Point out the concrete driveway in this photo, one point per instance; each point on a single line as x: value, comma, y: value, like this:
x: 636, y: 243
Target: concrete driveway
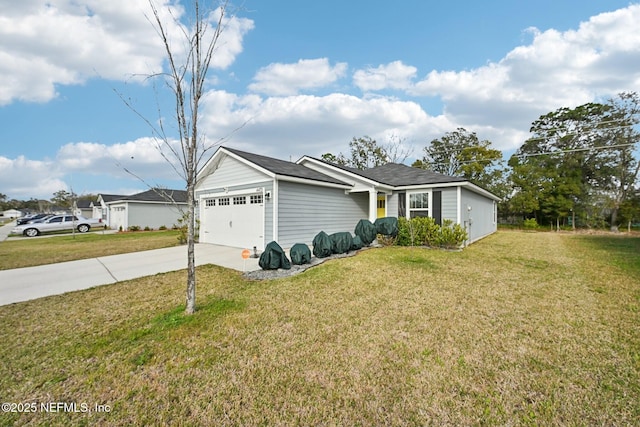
x: 6, y: 229
x: 23, y: 284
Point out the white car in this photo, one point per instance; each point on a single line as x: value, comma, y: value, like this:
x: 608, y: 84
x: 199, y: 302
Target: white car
x: 58, y: 223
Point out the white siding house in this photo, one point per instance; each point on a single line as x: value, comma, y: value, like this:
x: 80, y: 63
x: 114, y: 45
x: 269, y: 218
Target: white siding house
x: 152, y: 208
x: 11, y: 214
x: 248, y: 200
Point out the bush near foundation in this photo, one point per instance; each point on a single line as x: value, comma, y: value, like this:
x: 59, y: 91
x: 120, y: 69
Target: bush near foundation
x: 423, y: 231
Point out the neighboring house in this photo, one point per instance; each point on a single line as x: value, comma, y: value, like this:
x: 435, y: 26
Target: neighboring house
x: 100, y: 208
x: 12, y: 213
x: 84, y: 208
x: 152, y: 208
x: 248, y: 200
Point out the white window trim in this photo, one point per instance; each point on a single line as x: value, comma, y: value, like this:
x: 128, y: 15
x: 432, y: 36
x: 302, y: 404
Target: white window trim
x: 495, y: 212
x: 408, y: 202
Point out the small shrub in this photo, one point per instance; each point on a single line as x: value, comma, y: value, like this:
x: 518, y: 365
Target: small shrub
x: 387, y: 240
x: 418, y: 231
x: 134, y: 228
x: 530, y: 224
x: 183, y: 227
x: 405, y: 232
x: 452, y: 235
x: 162, y: 227
x: 147, y: 228
x: 423, y: 231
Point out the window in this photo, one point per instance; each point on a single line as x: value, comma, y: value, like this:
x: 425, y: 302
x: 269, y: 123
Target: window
x: 418, y: 204
x: 255, y: 199
x: 223, y: 201
x: 240, y: 200
x: 495, y: 212
x: 210, y: 202
x: 381, y: 203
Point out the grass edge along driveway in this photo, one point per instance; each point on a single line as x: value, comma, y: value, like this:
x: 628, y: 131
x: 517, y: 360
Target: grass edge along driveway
x: 519, y: 328
x: 33, y: 252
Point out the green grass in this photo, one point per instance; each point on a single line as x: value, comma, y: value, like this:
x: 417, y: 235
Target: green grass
x: 31, y: 252
x: 517, y: 329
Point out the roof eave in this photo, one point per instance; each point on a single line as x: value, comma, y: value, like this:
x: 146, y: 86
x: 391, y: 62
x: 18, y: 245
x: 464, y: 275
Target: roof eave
x: 315, y: 182
x: 473, y: 187
x: 477, y: 189
x: 339, y: 170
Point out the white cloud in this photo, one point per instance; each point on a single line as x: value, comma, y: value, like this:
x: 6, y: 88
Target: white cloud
x: 140, y: 161
x: 36, y: 178
x: 557, y: 69
x: 289, y: 79
x: 44, y: 43
x: 394, y: 75
x: 146, y: 158
x: 305, y: 124
x: 497, y: 100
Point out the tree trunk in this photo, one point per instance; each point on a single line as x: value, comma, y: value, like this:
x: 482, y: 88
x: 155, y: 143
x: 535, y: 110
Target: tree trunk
x: 614, y: 219
x: 191, y: 258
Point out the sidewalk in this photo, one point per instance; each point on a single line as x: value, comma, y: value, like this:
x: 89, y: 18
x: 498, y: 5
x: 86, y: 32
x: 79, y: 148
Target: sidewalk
x: 23, y: 284
x: 6, y: 229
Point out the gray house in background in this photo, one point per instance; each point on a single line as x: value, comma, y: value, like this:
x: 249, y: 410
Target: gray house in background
x: 152, y: 208
x: 100, y: 208
x: 84, y: 208
x: 248, y: 200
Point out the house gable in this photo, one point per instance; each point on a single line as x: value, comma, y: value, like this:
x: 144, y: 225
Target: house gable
x: 227, y: 170
x: 230, y: 167
x: 357, y: 181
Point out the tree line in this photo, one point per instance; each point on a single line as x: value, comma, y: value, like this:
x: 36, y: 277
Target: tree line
x: 60, y: 199
x: 579, y: 167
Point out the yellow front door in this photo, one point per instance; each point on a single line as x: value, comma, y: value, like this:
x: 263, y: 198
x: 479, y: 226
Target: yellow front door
x: 382, y: 206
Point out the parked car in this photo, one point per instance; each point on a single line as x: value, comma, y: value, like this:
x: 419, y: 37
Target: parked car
x: 57, y: 223
x: 38, y: 220
x: 32, y: 217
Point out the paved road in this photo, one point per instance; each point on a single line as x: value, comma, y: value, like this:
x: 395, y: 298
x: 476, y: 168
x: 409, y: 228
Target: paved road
x: 28, y: 283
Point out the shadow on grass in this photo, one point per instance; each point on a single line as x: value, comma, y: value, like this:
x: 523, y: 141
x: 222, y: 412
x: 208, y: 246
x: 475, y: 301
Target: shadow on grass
x: 622, y: 251
x: 134, y: 339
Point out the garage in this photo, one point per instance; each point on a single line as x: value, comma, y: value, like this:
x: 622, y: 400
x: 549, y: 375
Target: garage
x: 235, y: 220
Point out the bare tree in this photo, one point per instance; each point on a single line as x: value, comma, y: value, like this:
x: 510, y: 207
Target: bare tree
x: 397, y: 150
x: 186, y: 77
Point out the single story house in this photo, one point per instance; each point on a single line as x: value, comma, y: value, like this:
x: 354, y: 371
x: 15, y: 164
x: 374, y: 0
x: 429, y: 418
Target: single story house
x: 83, y: 208
x: 100, y: 208
x: 12, y: 213
x: 248, y: 200
x: 152, y: 208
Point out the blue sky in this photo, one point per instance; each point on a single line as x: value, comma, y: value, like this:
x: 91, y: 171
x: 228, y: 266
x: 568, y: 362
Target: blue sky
x: 305, y: 77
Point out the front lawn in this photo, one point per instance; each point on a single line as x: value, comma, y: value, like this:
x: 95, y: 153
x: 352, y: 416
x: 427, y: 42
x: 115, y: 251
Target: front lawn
x: 50, y: 250
x: 517, y: 329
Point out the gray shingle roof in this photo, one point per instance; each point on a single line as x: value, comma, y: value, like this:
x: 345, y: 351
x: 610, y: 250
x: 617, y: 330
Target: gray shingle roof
x: 158, y: 195
x: 282, y: 167
x: 111, y: 197
x: 399, y: 175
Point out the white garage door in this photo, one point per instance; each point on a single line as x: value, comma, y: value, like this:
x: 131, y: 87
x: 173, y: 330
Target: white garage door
x: 236, y: 220
x: 118, y: 217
